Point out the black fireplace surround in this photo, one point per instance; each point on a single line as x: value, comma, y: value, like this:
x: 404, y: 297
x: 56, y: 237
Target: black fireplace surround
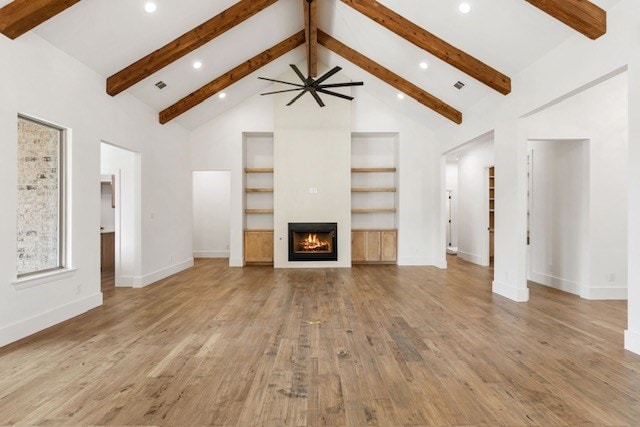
x: 313, y: 241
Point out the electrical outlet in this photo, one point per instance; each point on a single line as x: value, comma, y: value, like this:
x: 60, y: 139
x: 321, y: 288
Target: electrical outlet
x: 78, y: 289
x: 612, y: 278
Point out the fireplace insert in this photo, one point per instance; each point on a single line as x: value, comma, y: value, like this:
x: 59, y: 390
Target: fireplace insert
x: 313, y: 241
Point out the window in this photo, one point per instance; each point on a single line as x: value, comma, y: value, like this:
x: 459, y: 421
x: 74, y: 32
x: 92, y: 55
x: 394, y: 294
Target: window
x: 40, y: 213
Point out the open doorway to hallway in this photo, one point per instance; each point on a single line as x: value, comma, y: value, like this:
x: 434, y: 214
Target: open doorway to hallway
x: 120, y: 219
x: 470, y: 192
x: 211, y: 214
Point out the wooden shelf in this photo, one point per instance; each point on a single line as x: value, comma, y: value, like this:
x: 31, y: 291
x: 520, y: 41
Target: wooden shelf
x: 258, y: 229
x: 365, y: 170
x: 258, y: 170
x: 258, y: 211
x: 379, y: 210
x: 492, y: 188
x: 374, y: 229
x: 374, y: 190
x: 258, y: 190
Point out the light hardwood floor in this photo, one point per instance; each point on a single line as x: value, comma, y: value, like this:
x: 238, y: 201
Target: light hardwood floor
x: 372, y: 345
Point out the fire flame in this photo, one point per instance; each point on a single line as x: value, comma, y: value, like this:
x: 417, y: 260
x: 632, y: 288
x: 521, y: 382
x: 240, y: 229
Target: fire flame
x: 312, y: 243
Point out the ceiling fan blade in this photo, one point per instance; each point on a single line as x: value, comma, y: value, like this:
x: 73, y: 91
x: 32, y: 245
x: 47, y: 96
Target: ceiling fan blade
x: 299, y: 73
x: 282, y: 91
x: 341, y: 85
x: 297, y: 97
x: 280, y: 81
x: 328, y: 74
x: 339, y: 95
x: 317, y: 98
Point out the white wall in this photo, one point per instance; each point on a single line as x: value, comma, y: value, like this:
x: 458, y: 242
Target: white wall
x: 559, y: 218
x: 600, y: 115
x: 451, y: 177
x: 211, y: 213
x: 473, y: 200
x: 43, y: 82
x: 421, y: 238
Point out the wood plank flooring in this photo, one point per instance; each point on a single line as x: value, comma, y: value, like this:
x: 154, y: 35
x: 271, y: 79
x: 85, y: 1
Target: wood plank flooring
x: 368, y: 346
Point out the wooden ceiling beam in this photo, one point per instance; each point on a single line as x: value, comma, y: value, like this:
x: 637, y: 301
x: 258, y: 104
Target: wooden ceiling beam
x: 185, y: 44
x: 311, y: 35
x: 432, y: 44
x: 20, y: 16
x: 581, y: 15
x: 231, y: 77
x: 390, y: 78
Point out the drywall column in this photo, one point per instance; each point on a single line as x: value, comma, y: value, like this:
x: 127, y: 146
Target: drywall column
x: 510, y: 269
x: 632, y: 334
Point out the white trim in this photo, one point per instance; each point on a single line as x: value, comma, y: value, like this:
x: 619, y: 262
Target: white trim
x: 211, y: 254
x: 43, y: 278
x: 555, y: 282
x: 414, y: 261
x: 619, y: 294
x: 148, y: 279
x: 476, y: 259
x: 39, y: 322
x: 508, y: 291
x: 632, y: 341
x: 236, y: 262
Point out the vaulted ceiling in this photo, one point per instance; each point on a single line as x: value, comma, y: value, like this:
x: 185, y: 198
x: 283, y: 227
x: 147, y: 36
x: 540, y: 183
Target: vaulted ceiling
x: 387, y: 38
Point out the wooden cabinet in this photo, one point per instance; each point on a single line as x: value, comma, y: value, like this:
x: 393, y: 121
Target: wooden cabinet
x: 492, y: 209
x: 374, y: 246
x: 258, y: 247
x: 107, y: 251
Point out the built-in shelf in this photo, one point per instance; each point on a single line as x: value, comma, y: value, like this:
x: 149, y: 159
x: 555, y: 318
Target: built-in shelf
x: 378, y: 210
x: 492, y: 210
x: 364, y: 170
x: 374, y: 190
x: 258, y: 211
x: 258, y: 190
x: 258, y: 229
x: 258, y: 170
x: 492, y: 188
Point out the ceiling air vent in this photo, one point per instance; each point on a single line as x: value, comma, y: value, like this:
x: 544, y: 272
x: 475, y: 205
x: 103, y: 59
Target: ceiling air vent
x: 459, y: 85
x: 161, y: 85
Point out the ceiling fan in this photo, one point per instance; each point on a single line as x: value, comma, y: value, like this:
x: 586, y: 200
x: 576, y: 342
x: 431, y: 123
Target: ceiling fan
x: 311, y: 85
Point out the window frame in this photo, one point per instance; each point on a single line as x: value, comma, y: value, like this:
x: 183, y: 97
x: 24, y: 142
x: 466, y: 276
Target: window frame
x: 63, y: 262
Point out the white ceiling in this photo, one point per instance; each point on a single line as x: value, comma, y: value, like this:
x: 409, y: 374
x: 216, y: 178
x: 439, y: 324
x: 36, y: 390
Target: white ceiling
x: 110, y: 35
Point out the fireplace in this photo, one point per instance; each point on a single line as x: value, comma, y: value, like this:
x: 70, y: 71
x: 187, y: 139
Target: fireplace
x: 313, y: 241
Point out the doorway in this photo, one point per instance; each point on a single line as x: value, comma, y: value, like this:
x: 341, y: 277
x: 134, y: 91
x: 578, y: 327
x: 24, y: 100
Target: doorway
x: 211, y: 214
x: 120, y: 227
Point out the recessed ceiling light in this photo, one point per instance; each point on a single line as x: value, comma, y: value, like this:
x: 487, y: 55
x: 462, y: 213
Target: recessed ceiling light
x: 424, y: 65
x: 400, y: 96
x: 222, y: 95
x: 197, y: 65
x: 150, y: 7
x: 464, y: 7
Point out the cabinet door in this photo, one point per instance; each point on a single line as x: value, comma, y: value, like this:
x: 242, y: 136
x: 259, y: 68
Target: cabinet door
x: 358, y: 246
x: 389, y: 246
x: 258, y: 246
x: 372, y: 246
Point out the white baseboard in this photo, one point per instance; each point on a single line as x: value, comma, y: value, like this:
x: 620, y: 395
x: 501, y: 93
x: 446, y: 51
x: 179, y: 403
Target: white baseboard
x: 632, y: 341
x: 476, y: 259
x: 26, y: 327
x: 211, y: 254
x: 620, y: 294
x: 511, y: 292
x: 236, y: 262
x: 555, y: 282
x: 414, y: 261
x: 148, y: 279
